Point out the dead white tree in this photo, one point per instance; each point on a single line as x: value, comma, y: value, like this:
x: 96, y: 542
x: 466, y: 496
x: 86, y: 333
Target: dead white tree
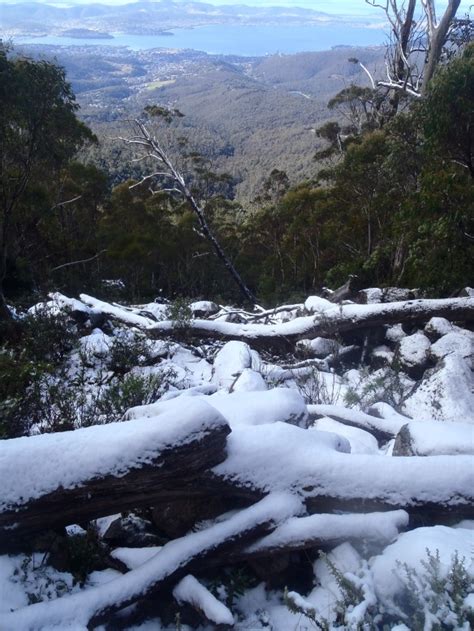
x: 417, y: 38
x: 174, y: 182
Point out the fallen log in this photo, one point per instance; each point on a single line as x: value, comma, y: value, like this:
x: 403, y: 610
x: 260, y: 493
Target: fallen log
x: 285, y: 457
x: 95, y: 606
x: 324, y: 530
x: 334, y: 321
x: 382, y: 429
x: 53, y: 480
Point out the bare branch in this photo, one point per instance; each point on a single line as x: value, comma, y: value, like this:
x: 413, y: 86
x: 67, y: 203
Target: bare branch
x: 92, y: 258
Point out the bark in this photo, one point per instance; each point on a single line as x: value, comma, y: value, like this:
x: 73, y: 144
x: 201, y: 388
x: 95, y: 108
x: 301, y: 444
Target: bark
x: 437, y: 40
x: 174, y: 473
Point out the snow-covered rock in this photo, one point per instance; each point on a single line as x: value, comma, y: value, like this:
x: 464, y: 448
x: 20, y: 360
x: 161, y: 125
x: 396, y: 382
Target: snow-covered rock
x: 413, y: 353
x: 460, y: 342
x: 97, y: 343
x: 204, y: 308
x: 249, y: 381
x: 395, y: 333
x: 316, y: 304
x: 319, y: 347
x: 437, y: 327
x: 446, y: 393
x: 430, y: 438
x: 229, y: 363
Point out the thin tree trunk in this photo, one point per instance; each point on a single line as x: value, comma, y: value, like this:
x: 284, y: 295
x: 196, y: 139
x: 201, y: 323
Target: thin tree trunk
x: 437, y: 39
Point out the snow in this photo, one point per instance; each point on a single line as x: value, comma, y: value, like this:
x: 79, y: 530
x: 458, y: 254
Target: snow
x: 437, y: 327
x: 260, y: 408
x: 80, y: 607
x: 359, y: 419
x: 361, y: 442
x: 135, y: 557
x: 315, y: 304
x: 230, y: 362
x: 31, y: 467
x: 446, y: 393
x: 204, y: 306
x: 238, y: 408
x: 410, y: 548
x: 97, y: 343
x: 280, y: 456
x: 121, y: 313
x: 303, y: 326
x: 413, y: 350
x: 249, y: 381
x: 327, y: 529
x: 429, y: 438
x: 319, y: 346
x: 190, y: 590
x: 327, y: 592
x: 395, y: 333
x: 460, y: 343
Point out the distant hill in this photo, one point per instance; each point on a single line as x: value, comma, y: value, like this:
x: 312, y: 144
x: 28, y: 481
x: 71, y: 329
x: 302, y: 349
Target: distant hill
x: 247, y: 115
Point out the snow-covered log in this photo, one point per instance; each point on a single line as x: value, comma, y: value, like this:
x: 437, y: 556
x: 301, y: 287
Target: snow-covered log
x: 189, y: 590
x: 308, y: 462
x: 382, y: 429
x: 53, y: 480
x: 299, y: 533
x: 336, y: 320
x: 93, y: 607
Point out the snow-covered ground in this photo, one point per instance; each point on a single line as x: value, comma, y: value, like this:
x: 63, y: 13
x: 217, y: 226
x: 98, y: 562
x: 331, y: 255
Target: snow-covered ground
x: 360, y: 443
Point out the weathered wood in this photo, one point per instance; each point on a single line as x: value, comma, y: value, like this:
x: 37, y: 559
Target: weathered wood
x: 341, y: 319
x: 173, y: 473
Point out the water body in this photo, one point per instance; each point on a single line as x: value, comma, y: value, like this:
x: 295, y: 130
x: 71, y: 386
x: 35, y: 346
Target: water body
x: 236, y: 40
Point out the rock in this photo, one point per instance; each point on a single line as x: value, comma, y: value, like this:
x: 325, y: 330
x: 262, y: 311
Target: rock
x: 249, y: 381
x: 434, y: 438
x: 445, y: 393
x: 381, y: 356
x: 319, y: 347
x: 374, y: 295
x: 413, y: 354
x: 459, y: 342
x: 131, y: 532
x: 395, y: 334
x: 204, y: 308
x: 437, y: 327
x: 466, y: 292
x: 231, y: 361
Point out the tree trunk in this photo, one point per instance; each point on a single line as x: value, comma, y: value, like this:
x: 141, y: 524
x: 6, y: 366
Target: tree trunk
x: 437, y: 40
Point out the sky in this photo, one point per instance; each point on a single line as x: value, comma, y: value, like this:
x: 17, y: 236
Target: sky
x: 345, y: 7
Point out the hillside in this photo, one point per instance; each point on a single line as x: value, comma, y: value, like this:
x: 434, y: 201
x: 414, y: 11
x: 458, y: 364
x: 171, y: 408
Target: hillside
x: 247, y: 115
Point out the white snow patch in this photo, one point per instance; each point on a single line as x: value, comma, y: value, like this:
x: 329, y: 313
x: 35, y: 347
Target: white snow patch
x: 361, y: 442
x: 410, y: 548
x: 190, y: 590
x: 315, y: 304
